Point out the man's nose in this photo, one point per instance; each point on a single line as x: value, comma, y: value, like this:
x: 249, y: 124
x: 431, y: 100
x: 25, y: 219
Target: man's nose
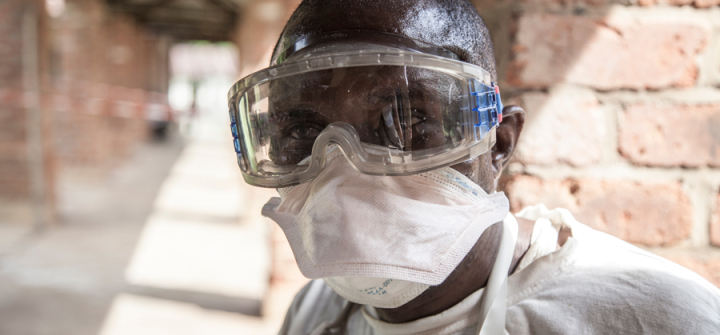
x: 392, y: 128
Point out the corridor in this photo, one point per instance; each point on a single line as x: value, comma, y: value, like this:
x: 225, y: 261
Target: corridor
x: 171, y: 243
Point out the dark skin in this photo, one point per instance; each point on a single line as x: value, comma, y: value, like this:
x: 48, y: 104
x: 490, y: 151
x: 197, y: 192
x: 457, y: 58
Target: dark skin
x: 455, y: 26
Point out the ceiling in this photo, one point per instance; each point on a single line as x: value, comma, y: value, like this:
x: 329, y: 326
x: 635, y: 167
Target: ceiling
x: 212, y: 20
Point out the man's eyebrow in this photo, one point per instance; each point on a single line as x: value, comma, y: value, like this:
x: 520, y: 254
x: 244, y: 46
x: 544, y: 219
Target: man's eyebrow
x: 296, y: 112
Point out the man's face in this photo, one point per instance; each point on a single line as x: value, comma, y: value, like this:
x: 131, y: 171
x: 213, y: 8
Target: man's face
x: 402, y: 108
x: 452, y: 25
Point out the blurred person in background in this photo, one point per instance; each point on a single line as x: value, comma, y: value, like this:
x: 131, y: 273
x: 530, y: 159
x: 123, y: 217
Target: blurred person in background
x: 381, y: 126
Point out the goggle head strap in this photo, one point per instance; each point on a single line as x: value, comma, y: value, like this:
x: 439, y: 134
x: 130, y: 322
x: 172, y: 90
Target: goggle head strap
x: 315, y: 44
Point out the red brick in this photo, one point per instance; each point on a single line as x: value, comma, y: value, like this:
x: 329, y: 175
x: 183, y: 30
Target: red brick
x: 14, y: 179
x: 709, y: 269
x: 696, y: 3
x: 671, y: 135
x: 706, y: 3
x: 12, y: 124
x: 649, y: 214
x: 609, y: 53
x: 564, y: 127
x: 11, y: 44
x: 666, y: 2
x: 13, y: 151
x: 83, y: 139
x: 559, y: 4
x: 715, y: 224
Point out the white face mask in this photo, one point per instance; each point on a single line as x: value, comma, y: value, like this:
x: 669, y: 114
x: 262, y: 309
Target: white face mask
x: 376, y: 292
x: 413, y: 229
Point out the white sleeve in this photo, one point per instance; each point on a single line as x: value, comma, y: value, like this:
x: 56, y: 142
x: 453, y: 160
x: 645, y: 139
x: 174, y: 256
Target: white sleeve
x: 293, y: 310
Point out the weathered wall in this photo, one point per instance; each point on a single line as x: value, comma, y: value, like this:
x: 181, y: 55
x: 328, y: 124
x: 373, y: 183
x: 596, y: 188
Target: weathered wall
x: 97, y: 71
x: 104, y: 69
x: 623, y: 117
x: 26, y: 162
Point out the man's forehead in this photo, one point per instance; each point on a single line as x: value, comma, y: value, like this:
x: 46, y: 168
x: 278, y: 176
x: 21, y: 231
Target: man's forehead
x: 451, y: 24
x: 319, y: 17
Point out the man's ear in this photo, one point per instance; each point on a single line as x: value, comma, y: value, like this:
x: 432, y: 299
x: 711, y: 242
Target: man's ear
x: 507, y: 135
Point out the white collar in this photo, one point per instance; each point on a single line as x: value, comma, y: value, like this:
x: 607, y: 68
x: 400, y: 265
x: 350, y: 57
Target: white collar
x: 466, y: 313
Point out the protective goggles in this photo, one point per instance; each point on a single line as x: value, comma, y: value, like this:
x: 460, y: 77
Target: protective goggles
x: 393, y: 106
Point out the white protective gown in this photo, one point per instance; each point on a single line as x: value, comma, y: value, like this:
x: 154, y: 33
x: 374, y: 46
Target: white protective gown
x: 594, y: 284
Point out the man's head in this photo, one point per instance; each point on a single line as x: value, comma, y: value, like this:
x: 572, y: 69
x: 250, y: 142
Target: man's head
x: 369, y: 76
x: 454, y: 25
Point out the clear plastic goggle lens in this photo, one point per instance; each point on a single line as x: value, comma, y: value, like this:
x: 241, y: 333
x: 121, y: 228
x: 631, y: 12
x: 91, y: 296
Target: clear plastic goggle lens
x: 387, y: 119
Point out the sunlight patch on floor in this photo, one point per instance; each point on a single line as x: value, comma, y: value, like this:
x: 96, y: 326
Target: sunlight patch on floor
x: 136, y: 315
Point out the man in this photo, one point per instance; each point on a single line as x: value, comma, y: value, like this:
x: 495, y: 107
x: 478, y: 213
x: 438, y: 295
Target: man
x: 380, y: 124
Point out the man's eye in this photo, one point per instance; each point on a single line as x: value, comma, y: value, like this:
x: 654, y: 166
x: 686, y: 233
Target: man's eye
x: 305, y: 132
x: 418, y: 118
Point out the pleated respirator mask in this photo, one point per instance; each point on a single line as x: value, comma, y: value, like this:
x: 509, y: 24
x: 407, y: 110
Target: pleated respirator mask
x: 357, y: 137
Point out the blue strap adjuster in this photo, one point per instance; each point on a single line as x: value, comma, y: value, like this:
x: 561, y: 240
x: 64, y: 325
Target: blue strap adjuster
x: 236, y: 140
x: 487, y: 105
x: 234, y: 132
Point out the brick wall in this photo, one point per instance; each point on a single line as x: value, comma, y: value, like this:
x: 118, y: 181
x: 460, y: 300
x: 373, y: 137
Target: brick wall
x: 97, y: 72
x: 26, y: 174
x: 104, y: 71
x: 623, y: 117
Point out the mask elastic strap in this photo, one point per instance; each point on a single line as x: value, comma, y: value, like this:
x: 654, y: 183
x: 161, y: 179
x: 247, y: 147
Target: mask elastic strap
x: 493, y: 306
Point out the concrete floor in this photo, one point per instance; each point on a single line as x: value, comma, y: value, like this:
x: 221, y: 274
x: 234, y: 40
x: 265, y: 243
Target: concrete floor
x: 171, y: 242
